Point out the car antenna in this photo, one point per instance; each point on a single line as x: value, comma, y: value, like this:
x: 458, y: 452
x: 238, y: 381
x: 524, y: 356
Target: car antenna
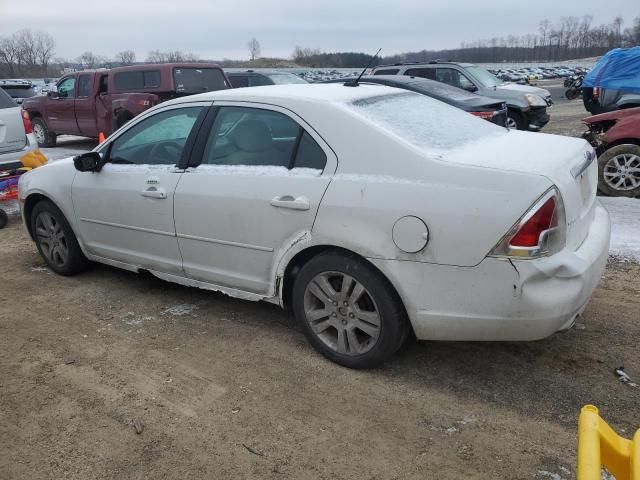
x: 354, y: 83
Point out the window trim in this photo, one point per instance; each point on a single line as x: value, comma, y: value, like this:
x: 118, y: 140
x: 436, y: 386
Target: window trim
x: 196, y: 158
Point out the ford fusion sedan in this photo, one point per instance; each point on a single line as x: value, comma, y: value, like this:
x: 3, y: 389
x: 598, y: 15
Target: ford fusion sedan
x: 371, y: 212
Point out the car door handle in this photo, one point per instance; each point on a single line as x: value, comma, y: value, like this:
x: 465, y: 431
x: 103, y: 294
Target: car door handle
x: 154, y: 192
x: 287, y: 201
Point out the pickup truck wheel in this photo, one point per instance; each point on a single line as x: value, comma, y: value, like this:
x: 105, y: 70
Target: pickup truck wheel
x: 44, y: 137
x: 619, y: 171
x: 514, y: 120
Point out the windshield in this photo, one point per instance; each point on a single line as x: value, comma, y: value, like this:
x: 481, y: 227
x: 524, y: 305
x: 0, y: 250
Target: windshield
x: 282, y: 78
x: 426, y: 123
x: 485, y: 78
x: 198, y: 80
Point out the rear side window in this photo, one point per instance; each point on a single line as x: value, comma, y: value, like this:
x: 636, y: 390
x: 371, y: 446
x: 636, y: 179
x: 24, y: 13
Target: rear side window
x: 388, y: 71
x: 257, y: 138
x: 5, y: 100
x: 429, y: 73
x: 239, y: 81
x: 198, y: 80
x: 137, y: 80
x: 84, y: 86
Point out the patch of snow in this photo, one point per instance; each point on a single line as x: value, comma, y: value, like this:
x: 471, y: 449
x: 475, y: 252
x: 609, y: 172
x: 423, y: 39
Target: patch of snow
x: 468, y: 419
x: 547, y: 474
x: 39, y: 269
x: 180, y: 310
x: 451, y: 430
x: 625, y: 226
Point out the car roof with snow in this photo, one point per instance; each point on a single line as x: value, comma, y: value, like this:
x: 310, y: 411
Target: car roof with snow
x: 281, y: 94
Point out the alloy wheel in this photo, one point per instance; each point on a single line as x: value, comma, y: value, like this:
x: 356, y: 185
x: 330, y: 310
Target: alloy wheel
x: 511, y: 123
x: 52, y: 239
x: 622, y: 172
x: 38, y: 131
x: 342, y: 313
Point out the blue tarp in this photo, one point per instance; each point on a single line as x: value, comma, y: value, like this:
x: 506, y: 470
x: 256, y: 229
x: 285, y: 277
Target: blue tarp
x: 618, y: 69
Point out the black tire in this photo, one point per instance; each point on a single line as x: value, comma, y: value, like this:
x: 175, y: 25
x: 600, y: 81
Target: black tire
x: 606, y: 164
x: 393, y: 322
x: 4, y: 219
x: 516, y: 119
x: 46, y: 138
x: 75, y: 261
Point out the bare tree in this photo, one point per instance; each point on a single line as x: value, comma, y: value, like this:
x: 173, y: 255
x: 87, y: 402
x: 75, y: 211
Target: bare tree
x: 126, y: 57
x: 156, y: 56
x: 254, y: 48
x: 90, y: 60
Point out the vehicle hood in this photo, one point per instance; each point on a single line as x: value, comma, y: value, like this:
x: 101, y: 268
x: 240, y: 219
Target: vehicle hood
x: 614, y: 115
x: 558, y: 158
x: 522, y: 89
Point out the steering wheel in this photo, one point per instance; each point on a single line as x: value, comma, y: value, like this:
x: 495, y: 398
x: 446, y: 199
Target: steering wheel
x: 165, y: 152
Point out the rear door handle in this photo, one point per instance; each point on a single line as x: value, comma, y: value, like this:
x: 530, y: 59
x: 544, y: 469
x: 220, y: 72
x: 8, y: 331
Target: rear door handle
x: 287, y: 201
x: 154, y: 192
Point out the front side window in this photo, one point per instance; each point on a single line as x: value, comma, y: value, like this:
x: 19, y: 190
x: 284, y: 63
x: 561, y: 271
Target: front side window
x: 66, y: 86
x: 257, y: 137
x: 84, y: 86
x: 453, y: 77
x: 157, y: 140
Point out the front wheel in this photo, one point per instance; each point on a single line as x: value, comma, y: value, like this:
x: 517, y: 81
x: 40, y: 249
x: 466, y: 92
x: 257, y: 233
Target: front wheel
x: 56, y: 242
x: 514, y: 120
x: 43, y: 135
x: 348, y: 310
x: 619, y: 171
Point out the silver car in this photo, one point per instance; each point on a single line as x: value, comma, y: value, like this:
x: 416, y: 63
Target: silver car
x: 16, y: 137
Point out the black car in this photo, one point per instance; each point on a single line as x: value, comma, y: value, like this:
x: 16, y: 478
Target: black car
x: 484, y: 107
x: 253, y: 78
x: 18, y: 89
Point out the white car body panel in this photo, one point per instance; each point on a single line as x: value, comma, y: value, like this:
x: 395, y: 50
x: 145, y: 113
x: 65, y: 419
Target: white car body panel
x: 468, y: 196
x: 14, y: 143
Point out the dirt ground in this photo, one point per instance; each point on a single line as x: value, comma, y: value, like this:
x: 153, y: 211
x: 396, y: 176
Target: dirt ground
x: 223, y: 388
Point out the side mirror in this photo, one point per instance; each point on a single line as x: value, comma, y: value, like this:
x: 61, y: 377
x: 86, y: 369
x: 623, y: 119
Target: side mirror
x: 88, y: 162
x: 470, y: 88
x: 52, y: 94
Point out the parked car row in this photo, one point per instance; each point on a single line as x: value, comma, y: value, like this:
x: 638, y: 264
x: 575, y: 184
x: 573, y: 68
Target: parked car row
x: 531, y: 74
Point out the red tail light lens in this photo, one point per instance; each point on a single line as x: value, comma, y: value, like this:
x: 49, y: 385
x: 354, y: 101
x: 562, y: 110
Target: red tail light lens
x: 544, y: 219
x: 483, y: 115
x: 541, y: 231
x: 26, y: 121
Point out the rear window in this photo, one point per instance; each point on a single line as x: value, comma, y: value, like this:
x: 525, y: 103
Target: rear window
x: 285, y: 78
x: 425, y: 123
x: 5, y: 100
x: 197, y: 80
x: 19, y: 92
x: 388, y: 71
x: 137, y: 80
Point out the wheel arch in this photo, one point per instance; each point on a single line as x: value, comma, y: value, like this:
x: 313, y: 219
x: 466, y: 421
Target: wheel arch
x: 30, y: 202
x: 301, y: 257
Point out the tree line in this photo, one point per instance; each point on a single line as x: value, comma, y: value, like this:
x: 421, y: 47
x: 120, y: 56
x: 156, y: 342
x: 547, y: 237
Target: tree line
x: 570, y: 38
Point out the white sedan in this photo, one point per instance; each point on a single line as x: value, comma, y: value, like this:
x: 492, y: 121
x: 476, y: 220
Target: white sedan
x: 370, y: 211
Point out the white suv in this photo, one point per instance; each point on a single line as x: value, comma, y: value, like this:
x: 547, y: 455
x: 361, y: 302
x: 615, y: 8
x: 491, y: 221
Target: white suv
x: 16, y: 133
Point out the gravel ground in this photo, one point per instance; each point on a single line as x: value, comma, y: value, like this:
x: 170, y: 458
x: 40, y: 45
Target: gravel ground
x: 222, y: 388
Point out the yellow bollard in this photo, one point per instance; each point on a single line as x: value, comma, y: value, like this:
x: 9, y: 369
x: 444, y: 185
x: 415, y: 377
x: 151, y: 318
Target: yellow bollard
x: 599, y: 445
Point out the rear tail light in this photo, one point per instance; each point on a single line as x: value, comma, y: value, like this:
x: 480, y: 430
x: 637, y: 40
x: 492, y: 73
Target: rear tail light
x: 539, y: 232
x: 26, y: 121
x: 484, y: 115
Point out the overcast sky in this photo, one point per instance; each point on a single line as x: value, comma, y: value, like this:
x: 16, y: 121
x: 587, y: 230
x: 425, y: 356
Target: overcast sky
x: 221, y: 29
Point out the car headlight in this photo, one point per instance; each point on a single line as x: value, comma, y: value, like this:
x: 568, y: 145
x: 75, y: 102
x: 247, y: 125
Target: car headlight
x: 535, y: 100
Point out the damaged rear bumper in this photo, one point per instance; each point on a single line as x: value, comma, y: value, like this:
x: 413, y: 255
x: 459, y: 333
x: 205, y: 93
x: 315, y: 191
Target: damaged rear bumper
x: 501, y: 299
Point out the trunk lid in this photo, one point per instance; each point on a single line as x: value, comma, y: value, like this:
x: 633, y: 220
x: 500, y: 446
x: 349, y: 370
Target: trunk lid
x: 569, y: 163
x: 12, y: 136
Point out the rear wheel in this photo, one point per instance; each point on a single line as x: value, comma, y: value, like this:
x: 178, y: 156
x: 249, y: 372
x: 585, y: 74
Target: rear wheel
x: 348, y: 311
x: 56, y: 241
x: 514, y: 120
x: 43, y: 135
x: 619, y: 171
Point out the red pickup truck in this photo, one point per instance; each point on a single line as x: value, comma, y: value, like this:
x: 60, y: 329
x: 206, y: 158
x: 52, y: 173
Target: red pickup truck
x: 91, y: 102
